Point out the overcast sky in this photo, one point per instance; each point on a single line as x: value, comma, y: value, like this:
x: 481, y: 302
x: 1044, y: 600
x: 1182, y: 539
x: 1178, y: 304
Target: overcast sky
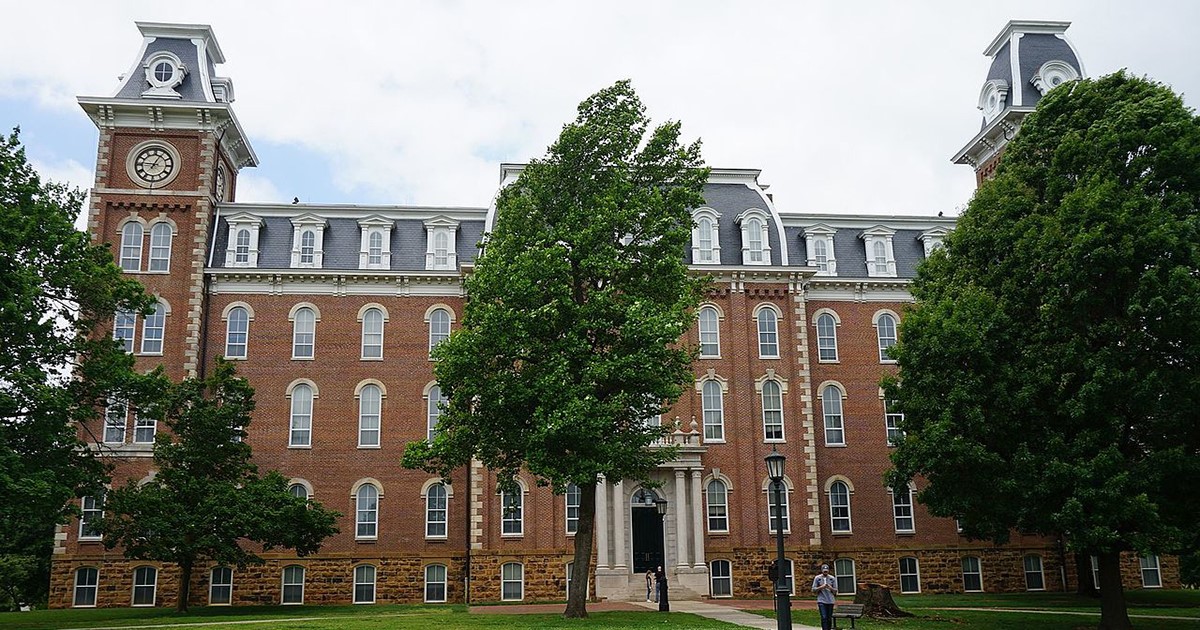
x: 847, y: 107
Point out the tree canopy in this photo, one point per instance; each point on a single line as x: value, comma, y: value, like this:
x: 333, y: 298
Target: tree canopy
x: 55, y: 288
x: 570, y: 341
x: 206, y: 500
x: 1050, y: 369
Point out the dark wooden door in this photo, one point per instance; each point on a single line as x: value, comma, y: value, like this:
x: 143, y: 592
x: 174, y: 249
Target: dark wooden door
x: 647, y: 540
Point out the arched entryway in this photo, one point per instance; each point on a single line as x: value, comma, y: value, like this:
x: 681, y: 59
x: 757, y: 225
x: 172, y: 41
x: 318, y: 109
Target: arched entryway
x: 647, y: 530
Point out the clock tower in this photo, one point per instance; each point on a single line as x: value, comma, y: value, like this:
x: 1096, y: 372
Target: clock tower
x: 169, y: 153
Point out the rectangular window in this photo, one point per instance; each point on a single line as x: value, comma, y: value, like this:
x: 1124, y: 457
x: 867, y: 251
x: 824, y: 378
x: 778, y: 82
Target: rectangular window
x: 220, y: 589
x: 293, y: 585
x: 843, y: 570
x: 892, y: 421
x: 768, y: 334
x: 144, y: 429
x: 574, y: 497
x: 92, y: 509
x: 713, y: 410
x: 115, y: 421
x: 772, y: 401
x: 304, y: 334
x: 435, y: 583
x: 722, y: 579
x: 972, y: 575
x: 910, y: 576
x: 902, y: 510
x: 435, y: 511
x: 364, y: 584
x: 123, y: 329
x: 160, y: 247
x: 1151, y: 578
x: 152, y: 330
x: 512, y: 523
x: 87, y: 580
x: 1034, y: 579
x: 145, y: 583
x: 512, y: 582
x: 775, y: 510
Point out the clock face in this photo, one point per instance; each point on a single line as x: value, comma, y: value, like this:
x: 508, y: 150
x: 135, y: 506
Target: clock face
x: 220, y: 183
x: 154, y: 165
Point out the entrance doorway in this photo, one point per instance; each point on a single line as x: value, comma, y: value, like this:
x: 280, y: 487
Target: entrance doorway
x: 647, y: 532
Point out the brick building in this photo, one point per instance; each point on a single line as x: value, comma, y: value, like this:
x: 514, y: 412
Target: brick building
x: 331, y: 310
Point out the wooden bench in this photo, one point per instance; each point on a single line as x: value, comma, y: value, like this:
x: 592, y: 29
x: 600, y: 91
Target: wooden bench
x: 847, y: 611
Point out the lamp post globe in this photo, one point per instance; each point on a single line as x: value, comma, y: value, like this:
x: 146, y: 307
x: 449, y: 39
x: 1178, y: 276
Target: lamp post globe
x: 783, y: 604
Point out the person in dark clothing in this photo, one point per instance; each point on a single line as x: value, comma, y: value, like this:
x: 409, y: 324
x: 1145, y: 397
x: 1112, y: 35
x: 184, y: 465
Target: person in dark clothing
x: 660, y: 578
x: 650, y: 585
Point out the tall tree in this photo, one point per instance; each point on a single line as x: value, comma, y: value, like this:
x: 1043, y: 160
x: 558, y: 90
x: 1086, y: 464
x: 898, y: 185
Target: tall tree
x: 1050, y: 370
x: 56, y: 287
x: 570, y: 336
x: 207, y: 502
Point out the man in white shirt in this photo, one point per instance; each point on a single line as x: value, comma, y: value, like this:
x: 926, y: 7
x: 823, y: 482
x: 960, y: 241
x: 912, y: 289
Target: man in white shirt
x: 825, y: 586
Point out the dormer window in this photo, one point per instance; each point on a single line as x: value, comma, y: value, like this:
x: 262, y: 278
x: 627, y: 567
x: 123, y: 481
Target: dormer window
x: 818, y: 243
x: 992, y: 98
x: 932, y: 239
x: 1053, y: 74
x: 308, y: 237
x: 706, y: 242
x: 242, y: 250
x: 756, y: 248
x: 440, y: 244
x: 881, y: 261
x: 375, y: 251
x: 164, y: 73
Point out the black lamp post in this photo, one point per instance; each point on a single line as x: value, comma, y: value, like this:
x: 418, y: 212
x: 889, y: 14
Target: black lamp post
x: 661, y: 506
x: 783, y: 604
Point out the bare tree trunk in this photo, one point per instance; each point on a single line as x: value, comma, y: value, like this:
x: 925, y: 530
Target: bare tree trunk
x: 185, y: 586
x: 1084, y: 583
x: 877, y: 601
x: 582, y: 568
x: 1113, y: 614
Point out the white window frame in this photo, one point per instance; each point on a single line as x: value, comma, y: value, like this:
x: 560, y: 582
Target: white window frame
x: 708, y: 323
x: 366, y: 511
x: 978, y: 573
x: 372, y: 227
x: 832, y: 397
x: 161, y: 235
x: 766, y: 316
x: 440, y: 319
x: 753, y: 223
x: 371, y: 346
x: 301, y: 226
x: 891, y: 422
x: 433, y: 410
x: 712, y: 405
x: 886, y: 342
x: 822, y: 234
x: 903, y: 509
x: 769, y: 490
x: 140, y: 426
x: 437, y: 258
x: 881, y: 259
x: 304, y: 427
x: 717, y: 506
x: 283, y: 591
x: 1040, y: 572
x: 213, y: 584
x: 512, y: 513
x: 140, y: 572
x: 772, y: 416
x: 710, y: 255
x: 437, y: 510
x: 231, y: 319
x: 506, y: 580
x: 132, y: 235
x: 299, y: 342
x: 154, y: 328
x: 915, y: 574
x: 361, y: 581
x: 125, y: 329
x: 1150, y: 564
x: 826, y: 339
x: 302, y: 487
x: 838, y: 573
x: 933, y: 238
x: 429, y: 582
x: 726, y: 578
x: 572, y: 508
x: 94, y: 587
x: 370, y: 397
x: 91, y: 507
x: 839, y: 505
x: 114, y: 411
x: 253, y: 225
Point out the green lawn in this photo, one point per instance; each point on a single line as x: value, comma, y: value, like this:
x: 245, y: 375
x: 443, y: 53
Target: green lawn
x: 344, y: 618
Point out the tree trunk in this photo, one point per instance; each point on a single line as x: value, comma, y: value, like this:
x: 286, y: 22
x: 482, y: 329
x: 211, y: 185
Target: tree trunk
x: 1113, y: 615
x: 582, y: 567
x: 1083, y: 575
x: 877, y: 601
x: 185, y: 586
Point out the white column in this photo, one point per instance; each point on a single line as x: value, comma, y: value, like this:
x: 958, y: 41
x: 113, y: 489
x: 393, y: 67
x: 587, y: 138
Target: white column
x: 681, y: 521
x: 697, y: 521
x: 620, y: 505
x: 602, y: 523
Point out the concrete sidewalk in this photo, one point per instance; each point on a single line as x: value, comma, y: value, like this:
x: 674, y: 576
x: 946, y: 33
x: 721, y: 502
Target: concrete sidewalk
x: 727, y: 614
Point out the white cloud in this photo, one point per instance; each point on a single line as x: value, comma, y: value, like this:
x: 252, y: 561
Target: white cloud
x: 252, y: 188
x: 72, y: 174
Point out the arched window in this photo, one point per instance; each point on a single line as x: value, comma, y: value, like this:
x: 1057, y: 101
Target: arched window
x: 721, y: 579
x: 839, y: 507
x: 152, y: 330
x: 87, y: 582
x: 304, y: 333
x: 910, y: 575
x: 774, y: 509
x: 441, y: 250
x: 145, y: 585
x: 512, y: 520
x: 124, y: 325
x: 220, y: 586
x: 718, y: 506
x: 768, y: 334
x: 886, y: 329
x: 293, y: 585
x: 714, y: 412
x: 300, y: 433
x: 435, y: 511
x: 821, y: 254
x: 574, y: 497
x: 704, y: 227
x: 241, y: 250
x: 370, y: 402
x: 434, y: 411
x: 754, y: 233
x: 366, y: 511
x: 298, y: 490
x: 879, y: 254
x: 843, y: 570
x: 826, y: 338
x: 972, y: 575
x: 439, y: 327
x: 372, y: 334
x: 512, y: 582
x: 160, y: 246
x: 237, y: 333
x: 435, y: 583
x: 364, y: 584
x: 375, y: 249
x: 308, y: 247
x: 710, y: 335
x: 131, y: 246
x: 1035, y: 580
x: 831, y: 405
x: 772, y: 404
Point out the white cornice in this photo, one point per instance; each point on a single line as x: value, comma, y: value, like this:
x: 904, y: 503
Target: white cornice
x: 355, y: 211
x: 185, y: 32
x: 162, y: 115
x: 333, y: 282
x: 829, y: 223
x: 1046, y: 27
x: 992, y: 137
